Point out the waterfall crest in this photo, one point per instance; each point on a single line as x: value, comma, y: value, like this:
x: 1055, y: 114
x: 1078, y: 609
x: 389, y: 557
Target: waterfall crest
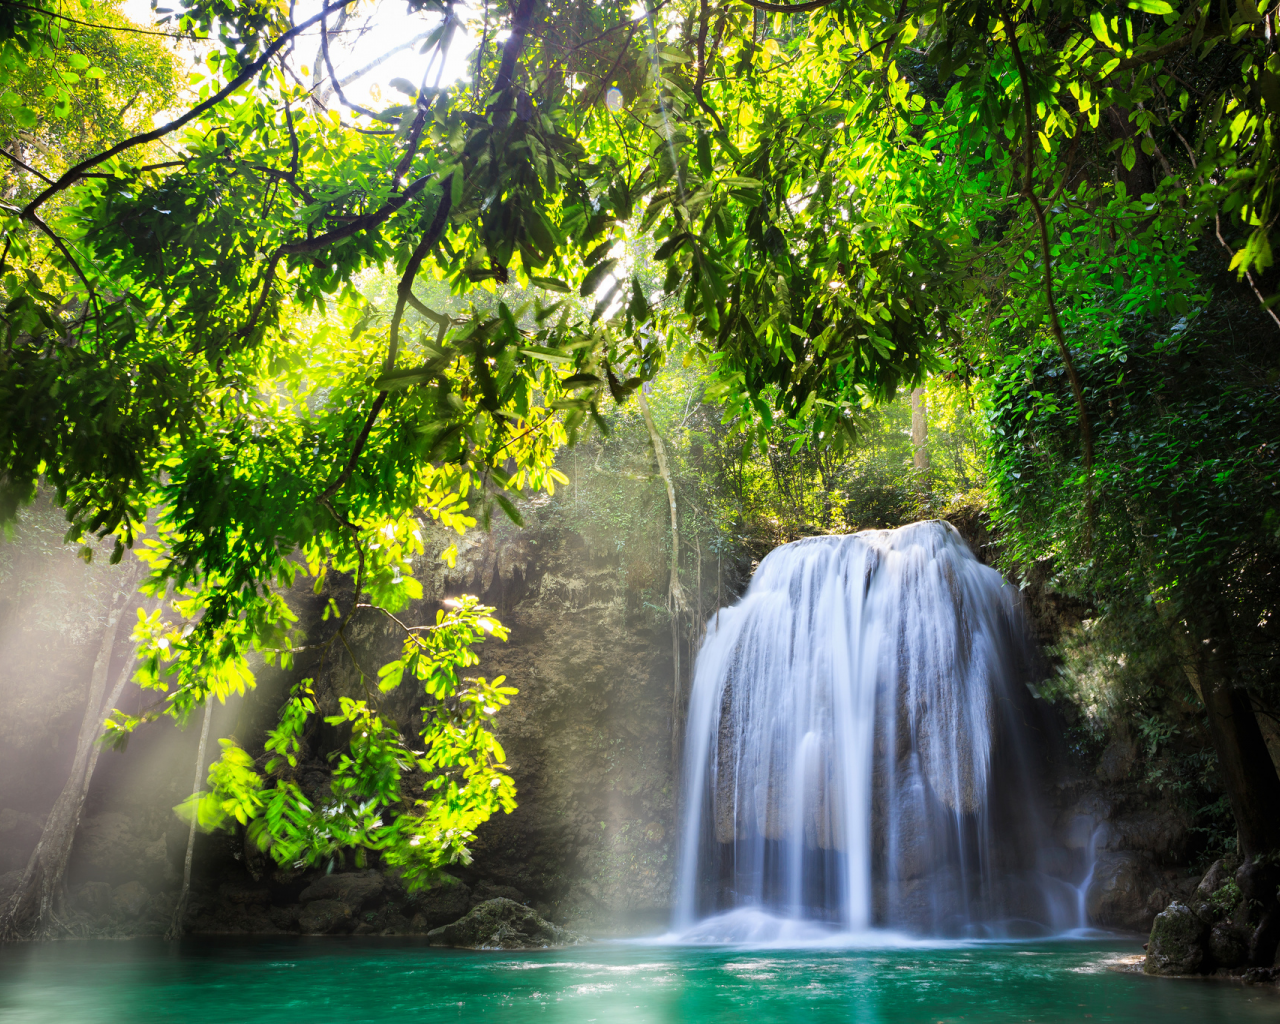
x: 853, y: 750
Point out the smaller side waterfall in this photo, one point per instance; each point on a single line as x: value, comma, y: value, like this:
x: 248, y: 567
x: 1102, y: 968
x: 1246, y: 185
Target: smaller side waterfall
x: 853, y: 751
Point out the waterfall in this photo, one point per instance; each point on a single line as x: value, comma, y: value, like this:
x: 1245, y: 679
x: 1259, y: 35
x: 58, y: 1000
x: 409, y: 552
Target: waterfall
x: 854, y: 749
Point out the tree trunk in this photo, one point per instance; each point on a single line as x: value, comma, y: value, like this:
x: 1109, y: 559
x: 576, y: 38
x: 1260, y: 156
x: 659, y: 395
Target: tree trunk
x: 29, y: 914
x: 180, y: 911
x: 919, y: 443
x: 675, y: 594
x: 1248, y: 775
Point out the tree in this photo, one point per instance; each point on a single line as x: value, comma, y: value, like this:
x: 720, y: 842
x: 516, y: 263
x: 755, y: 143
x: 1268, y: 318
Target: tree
x: 1184, y: 525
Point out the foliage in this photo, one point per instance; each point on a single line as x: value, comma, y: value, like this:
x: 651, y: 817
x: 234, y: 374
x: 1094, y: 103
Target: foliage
x: 72, y: 88
x: 369, y: 805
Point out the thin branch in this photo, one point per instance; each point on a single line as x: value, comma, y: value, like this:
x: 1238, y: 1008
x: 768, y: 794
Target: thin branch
x: 337, y: 85
x: 702, y: 58
x: 1217, y: 223
x: 25, y: 166
x: 484, y: 42
x: 405, y: 290
x: 79, y: 171
x: 379, y: 61
x: 268, y: 280
x: 347, y: 470
x: 62, y: 247
x: 1217, y: 230
x: 363, y: 223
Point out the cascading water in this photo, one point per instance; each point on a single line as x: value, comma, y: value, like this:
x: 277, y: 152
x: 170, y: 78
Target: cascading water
x: 853, y: 755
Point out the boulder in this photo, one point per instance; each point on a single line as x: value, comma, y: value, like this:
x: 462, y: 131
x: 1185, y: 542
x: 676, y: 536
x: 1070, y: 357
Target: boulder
x: 1220, y: 872
x: 1076, y: 827
x: 1228, y: 945
x: 129, y: 900
x: 355, y: 889
x: 1177, y: 943
x: 502, y: 924
x: 1158, y: 831
x: 322, y: 917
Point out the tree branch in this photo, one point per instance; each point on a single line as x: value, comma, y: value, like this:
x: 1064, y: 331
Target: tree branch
x: 79, y: 171
x: 26, y: 167
x: 347, y: 470
x: 405, y: 290
x: 1028, y: 190
x: 514, y: 45
x: 379, y: 61
x: 369, y: 220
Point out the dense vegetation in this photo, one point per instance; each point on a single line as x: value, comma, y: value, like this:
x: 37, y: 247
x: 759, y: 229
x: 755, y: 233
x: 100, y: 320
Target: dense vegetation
x: 274, y: 335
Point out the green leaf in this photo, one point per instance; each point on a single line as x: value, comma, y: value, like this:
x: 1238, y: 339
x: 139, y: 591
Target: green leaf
x: 551, y: 355
x: 596, y: 275
x: 671, y: 246
x: 509, y: 509
x: 398, y: 380
x: 599, y: 252
x: 639, y: 308
x: 1099, y: 25
x: 1151, y: 6
x: 704, y: 154
x: 552, y: 284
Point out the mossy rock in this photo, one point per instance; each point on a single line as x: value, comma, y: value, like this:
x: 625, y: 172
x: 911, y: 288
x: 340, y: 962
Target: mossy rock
x: 502, y: 924
x: 1177, y: 943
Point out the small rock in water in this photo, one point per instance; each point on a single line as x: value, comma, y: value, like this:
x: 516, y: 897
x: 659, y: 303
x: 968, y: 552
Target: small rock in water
x: 502, y: 924
x: 1177, y: 942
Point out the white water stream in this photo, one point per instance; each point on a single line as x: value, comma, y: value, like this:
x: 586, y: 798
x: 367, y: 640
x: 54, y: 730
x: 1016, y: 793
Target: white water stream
x: 847, y: 721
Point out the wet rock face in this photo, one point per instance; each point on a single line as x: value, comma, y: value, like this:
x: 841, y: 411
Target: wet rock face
x: 1177, y: 943
x: 332, y: 903
x: 1136, y: 851
x: 353, y: 889
x: 440, y: 904
x: 502, y: 924
x: 588, y: 737
x: 1117, y: 896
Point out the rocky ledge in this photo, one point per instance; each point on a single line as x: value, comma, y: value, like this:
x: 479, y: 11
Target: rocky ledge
x: 502, y: 924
